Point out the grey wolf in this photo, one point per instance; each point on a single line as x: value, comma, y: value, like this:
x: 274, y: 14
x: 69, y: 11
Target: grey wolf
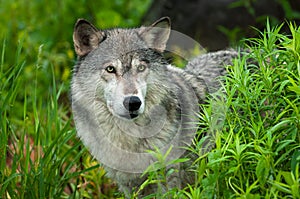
x: 127, y: 99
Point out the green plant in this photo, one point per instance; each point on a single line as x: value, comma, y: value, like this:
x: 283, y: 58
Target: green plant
x: 256, y: 151
x: 40, y: 155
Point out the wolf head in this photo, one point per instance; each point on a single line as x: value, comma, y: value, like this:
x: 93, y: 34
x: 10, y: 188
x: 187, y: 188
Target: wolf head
x: 118, y: 62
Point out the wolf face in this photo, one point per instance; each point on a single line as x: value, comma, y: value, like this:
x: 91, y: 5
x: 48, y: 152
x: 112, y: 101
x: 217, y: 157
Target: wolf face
x: 125, y: 87
x: 125, y: 91
x: 120, y: 75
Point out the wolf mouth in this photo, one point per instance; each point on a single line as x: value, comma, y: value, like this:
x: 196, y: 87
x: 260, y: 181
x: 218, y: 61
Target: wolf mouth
x: 130, y: 115
x: 133, y: 115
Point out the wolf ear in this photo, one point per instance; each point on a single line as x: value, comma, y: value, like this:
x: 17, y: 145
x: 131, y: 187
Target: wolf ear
x: 156, y: 36
x: 86, y: 37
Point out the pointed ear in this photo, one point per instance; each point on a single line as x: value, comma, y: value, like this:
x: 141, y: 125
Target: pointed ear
x: 156, y: 36
x: 86, y: 37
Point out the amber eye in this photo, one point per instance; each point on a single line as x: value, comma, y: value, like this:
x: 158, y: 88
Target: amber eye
x: 141, y: 68
x: 110, y: 69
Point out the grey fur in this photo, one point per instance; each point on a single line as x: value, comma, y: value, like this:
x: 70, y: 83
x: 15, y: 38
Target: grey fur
x: 210, y: 67
x: 118, y: 63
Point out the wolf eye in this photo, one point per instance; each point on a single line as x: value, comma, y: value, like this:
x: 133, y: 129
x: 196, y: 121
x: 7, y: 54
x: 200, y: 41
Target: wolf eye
x: 141, y: 68
x: 110, y: 69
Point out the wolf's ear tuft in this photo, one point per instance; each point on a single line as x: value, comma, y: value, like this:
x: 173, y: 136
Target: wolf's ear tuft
x: 86, y: 37
x: 156, y: 36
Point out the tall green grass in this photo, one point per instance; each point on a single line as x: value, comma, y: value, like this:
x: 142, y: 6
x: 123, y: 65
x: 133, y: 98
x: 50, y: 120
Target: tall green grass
x: 40, y: 154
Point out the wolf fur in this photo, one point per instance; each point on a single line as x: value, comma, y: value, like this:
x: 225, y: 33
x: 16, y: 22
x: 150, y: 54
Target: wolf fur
x: 123, y: 89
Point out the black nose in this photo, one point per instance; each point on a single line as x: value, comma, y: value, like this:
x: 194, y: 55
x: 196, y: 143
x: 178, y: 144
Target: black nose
x: 132, y: 103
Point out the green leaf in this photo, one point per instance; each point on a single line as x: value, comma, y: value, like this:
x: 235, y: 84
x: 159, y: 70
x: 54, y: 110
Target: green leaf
x: 295, y: 88
x: 295, y: 161
x: 262, y: 170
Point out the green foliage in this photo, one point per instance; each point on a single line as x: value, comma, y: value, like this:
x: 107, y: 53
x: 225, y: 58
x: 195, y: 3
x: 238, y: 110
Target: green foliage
x: 256, y: 151
x: 159, y: 173
x: 40, y: 155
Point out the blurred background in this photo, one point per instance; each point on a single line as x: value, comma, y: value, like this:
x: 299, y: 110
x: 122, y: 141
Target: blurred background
x: 47, y: 26
x: 44, y: 28
x: 216, y: 24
